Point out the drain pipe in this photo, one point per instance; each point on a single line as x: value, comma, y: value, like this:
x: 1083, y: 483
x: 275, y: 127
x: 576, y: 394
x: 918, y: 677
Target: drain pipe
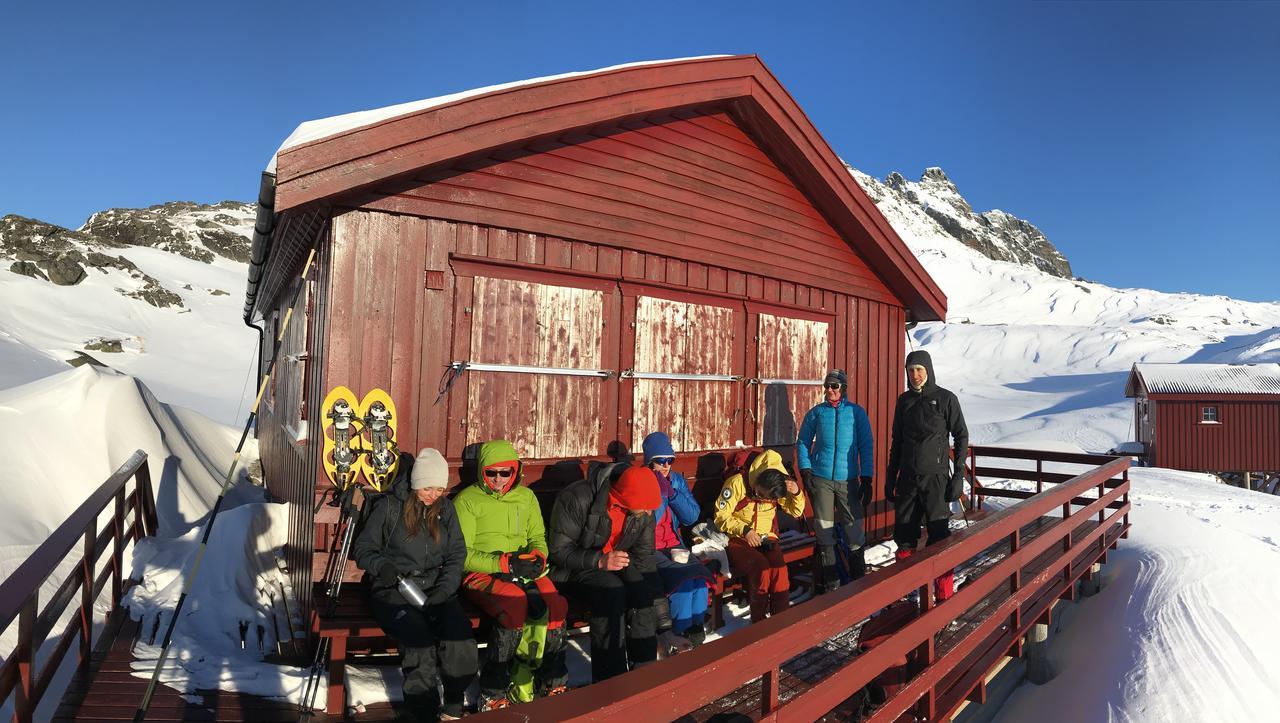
x: 260, y: 249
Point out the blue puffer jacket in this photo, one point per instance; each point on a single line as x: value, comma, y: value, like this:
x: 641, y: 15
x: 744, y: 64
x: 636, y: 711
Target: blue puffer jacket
x: 836, y: 441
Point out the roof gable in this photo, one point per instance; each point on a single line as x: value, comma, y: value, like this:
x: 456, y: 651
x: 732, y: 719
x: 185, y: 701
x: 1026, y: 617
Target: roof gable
x: 515, y: 115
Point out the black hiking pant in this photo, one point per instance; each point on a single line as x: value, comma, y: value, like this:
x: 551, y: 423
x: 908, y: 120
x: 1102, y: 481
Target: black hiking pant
x: 921, y: 499
x: 441, y: 632
x: 624, y: 622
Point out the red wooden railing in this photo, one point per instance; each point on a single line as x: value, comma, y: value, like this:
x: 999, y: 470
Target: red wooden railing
x: 20, y: 676
x: 686, y: 683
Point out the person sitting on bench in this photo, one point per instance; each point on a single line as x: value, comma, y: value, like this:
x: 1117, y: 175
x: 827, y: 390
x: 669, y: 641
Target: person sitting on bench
x: 602, y: 553
x: 412, y: 533
x: 507, y: 578
x: 684, y: 578
x: 747, y: 512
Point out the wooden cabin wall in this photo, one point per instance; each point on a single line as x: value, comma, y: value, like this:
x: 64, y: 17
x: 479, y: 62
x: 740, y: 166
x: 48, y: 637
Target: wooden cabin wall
x: 1244, y: 440
x: 400, y: 329
x: 296, y: 389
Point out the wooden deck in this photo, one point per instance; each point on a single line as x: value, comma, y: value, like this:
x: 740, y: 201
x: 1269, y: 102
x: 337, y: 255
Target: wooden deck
x: 110, y: 691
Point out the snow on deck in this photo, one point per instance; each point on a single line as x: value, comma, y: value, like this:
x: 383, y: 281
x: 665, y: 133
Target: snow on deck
x: 314, y: 130
x: 1210, y: 378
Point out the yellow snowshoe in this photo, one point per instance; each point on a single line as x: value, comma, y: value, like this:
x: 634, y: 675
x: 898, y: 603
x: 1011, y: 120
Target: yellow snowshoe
x: 342, y: 420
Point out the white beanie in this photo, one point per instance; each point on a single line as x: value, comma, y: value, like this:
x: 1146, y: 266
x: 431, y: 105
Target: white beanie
x: 429, y: 470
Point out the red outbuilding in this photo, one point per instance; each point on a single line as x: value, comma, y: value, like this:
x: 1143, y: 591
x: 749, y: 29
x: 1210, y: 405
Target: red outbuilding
x: 573, y: 261
x: 1208, y: 417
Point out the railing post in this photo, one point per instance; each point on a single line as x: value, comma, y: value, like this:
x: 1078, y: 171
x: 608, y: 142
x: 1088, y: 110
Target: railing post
x: 117, y: 551
x: 24, y: 706
x: 976, y: 501
x: 146, y: 496
x: 1066, y: 543
x: 769, y: 691
x: 1126, y: 500
x: 1039, y: 476
x: 86, y: 595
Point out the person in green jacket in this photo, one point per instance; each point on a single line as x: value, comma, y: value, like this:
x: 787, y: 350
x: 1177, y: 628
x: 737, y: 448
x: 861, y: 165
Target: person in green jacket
x: 506, y: 577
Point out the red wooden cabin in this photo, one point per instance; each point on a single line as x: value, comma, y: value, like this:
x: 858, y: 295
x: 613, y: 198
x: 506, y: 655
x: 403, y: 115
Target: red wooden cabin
x: 661, y: 246
x: 1208, y: 417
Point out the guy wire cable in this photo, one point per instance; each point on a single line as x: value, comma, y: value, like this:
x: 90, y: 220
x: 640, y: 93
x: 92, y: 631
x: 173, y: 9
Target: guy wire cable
x: 141, y: 713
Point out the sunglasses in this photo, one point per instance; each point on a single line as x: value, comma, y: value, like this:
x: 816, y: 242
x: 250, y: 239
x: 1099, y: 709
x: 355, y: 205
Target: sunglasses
x: 495, y: 473
x: 664, y: 461
x: 832, y: 386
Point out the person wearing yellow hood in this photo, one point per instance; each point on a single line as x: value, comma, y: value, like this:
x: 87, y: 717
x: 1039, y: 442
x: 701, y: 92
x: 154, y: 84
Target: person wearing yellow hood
x: 747, y: 511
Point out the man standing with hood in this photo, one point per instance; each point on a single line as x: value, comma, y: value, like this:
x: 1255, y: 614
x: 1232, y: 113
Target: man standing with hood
x: 835, y: 448
x: 920, y: 482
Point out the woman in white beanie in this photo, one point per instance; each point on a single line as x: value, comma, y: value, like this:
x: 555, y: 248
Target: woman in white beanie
x: 412, y: 533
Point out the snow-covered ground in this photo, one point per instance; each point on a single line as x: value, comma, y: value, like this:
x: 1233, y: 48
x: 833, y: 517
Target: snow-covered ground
x: 1183, y: 630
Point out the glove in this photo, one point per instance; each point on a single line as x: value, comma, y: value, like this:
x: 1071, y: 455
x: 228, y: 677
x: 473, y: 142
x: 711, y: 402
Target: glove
x: 954, y: 488
x: 536, y: 607
x: 528, y: 566
x: 807, y: 476
x: 388, y: 575
x: 889, y: 485
x: 865, y: 491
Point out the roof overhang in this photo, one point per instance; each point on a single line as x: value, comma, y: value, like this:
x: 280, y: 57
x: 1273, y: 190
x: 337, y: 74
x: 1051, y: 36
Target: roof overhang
x: 468, y: 124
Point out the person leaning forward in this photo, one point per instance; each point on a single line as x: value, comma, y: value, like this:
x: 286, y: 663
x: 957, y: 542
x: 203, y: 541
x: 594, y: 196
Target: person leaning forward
x: 602, y: 554
x: 920, y: 481
x: 835, y: 448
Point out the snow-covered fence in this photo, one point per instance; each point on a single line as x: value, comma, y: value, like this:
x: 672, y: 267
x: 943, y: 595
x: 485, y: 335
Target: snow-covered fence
x: 32, y: 664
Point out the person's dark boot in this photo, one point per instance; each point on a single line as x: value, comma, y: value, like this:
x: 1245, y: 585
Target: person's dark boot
x: 759, y: 608
x: 696, y: 634
x: 779, y: 601
x: 553, y: 674
x: 830, y: 575
x: 857, y: 563
x: 495, y: 675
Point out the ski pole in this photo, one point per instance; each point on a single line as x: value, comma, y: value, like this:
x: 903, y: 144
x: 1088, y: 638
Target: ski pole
x: 141, y: 713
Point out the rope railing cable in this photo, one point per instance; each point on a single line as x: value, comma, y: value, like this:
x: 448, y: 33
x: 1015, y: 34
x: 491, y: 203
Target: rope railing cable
x: 141, y: 713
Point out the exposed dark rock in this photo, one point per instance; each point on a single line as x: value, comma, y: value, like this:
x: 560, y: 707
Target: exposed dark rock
x: 28, y: 268
x: 81, y: 359
x: 156, y: 295
x: 218, y: 292
x: 65, y: 269
x: 109, y: 346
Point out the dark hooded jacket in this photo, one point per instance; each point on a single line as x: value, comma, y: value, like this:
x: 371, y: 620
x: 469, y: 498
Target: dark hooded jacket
x: 435, y: 566
x: 580, y: 527
x: 922, y: 421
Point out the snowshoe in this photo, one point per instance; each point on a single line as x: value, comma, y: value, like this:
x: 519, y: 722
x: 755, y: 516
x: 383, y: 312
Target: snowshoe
x: 341, y: 437
x: 381, y: 455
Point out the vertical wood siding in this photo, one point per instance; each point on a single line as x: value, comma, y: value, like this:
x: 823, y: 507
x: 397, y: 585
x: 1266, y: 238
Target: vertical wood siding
x: 788, y: 348
x: 1247, y: 438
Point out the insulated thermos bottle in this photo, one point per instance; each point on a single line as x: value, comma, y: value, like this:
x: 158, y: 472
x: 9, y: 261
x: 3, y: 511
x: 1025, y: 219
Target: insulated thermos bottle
x: 411, y: 592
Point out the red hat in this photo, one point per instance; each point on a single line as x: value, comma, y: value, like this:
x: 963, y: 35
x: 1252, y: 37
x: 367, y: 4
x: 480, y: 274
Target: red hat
x: 636, y: 489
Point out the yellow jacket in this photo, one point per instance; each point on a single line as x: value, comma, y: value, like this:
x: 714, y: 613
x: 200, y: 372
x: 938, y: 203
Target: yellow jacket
x: 736, y: 512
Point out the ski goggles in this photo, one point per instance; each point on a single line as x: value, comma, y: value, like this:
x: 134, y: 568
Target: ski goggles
x: 663, y: 461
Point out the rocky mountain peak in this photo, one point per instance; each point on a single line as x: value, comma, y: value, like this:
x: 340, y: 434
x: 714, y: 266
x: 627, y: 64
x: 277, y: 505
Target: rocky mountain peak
x: 193, y: 230
x: 934, y: 205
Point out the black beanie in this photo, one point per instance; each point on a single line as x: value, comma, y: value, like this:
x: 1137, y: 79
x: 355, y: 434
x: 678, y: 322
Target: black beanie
x: 837, y: 376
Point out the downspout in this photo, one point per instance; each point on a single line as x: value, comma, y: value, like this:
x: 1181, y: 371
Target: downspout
x: 260, y: 250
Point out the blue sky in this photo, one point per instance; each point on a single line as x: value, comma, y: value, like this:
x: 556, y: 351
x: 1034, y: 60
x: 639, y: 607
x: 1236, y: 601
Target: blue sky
x: 1142, y: 138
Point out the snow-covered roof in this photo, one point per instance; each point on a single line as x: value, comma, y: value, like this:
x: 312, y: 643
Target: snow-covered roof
x: 1209, y: 378
x: 314, y: 130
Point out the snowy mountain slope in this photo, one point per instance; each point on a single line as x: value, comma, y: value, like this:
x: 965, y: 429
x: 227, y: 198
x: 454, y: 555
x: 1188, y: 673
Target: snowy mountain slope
x: 150, y: 310
x: 1040, y: 358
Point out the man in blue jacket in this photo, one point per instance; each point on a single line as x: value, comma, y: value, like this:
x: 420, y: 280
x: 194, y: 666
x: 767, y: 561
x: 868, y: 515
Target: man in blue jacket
x: 835, y: 449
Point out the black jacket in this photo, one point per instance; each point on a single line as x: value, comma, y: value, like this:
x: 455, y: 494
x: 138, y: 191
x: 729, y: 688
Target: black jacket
x: 580, y: 526
x: 922, y: 421
x: 435, y: 566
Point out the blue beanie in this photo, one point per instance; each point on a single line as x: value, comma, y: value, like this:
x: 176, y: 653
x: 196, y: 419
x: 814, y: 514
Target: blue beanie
x: 657, y: 445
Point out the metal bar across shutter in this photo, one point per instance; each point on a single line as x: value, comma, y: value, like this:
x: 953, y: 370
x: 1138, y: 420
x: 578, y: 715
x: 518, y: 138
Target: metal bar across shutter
x: 460, y: 367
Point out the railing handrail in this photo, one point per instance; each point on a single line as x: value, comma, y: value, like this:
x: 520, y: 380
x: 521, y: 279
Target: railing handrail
x: 21, y: 675
x: 37, y: 568
x: 1043, y: 455
x: 688, y: 681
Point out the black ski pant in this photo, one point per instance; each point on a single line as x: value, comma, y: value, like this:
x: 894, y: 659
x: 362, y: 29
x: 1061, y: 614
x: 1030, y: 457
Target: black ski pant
x: 831, y: 505
x: 921, y: 499
x: 624, y: 622
x: 440, y: 632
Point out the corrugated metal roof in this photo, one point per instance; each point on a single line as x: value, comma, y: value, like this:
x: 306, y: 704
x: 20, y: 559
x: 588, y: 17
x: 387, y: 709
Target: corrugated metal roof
x: 1210, y: 378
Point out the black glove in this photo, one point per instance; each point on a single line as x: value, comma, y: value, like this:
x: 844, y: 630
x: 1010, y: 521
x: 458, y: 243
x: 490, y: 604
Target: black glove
x: 865, y: 491
x: 528, y: 567
x: 807, y: 476
x: 536, y: 607
x: 388, y: 575
x: 954, y: 488
x: 889, y: 485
